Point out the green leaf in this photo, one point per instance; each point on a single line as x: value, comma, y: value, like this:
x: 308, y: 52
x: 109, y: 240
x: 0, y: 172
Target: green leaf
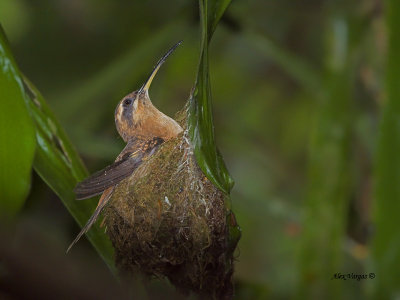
x: 200, y: 123
x: 57, y: 162
x: 386, y: 243
x: 215, y: 10
x: 17, y: 136
x: 59, y: 165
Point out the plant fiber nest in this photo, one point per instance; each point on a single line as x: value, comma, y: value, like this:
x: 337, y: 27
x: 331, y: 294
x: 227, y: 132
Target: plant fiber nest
x: 168, y: 220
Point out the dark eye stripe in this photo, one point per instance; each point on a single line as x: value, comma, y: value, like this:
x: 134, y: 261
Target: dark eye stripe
x: 127, y: 109
x: 128, y: 102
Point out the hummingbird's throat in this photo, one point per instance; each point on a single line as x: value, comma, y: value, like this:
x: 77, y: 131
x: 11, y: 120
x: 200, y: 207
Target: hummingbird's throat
x: 144, y: 121
x: 150, y: 122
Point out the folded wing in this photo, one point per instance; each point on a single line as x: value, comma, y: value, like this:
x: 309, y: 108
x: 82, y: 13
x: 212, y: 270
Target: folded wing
x: 122, y: 168
x: 104, y: 181
x: 109, y: 176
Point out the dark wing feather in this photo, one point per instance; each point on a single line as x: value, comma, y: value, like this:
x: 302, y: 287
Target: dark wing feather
x: 105, y: 180
x: 109, y: 176
x: 122, y: 168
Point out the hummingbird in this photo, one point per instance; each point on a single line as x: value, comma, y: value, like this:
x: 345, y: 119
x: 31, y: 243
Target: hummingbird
x: 143, y: 128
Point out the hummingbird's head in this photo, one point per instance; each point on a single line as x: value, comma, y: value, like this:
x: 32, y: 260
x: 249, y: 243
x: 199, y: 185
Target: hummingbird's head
x: 136, y: 116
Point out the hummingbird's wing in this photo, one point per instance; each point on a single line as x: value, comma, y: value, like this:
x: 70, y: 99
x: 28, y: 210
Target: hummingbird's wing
x: 122, y: 168
x: 98, y: 182
x: 104, y: 181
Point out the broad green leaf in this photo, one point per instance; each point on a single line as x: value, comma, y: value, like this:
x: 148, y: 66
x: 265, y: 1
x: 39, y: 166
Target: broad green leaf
x: 17, y: 136
x: 386, y: 243
x: 201, y: 128
x: 59, y: 165
x: 57, y: 162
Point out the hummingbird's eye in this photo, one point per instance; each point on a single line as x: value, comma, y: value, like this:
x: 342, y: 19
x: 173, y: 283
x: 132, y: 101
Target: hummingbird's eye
x: 127, y: 102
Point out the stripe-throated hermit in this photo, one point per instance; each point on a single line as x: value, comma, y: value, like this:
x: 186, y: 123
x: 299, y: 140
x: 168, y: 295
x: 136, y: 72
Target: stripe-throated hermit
x: 144, y: 128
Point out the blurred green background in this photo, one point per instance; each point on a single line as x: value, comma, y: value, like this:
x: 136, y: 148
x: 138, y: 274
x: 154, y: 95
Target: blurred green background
x: 306, y: 116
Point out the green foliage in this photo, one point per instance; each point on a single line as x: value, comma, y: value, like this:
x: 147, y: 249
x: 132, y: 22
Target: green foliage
x: 17, y: 136
x: 330, y: 166
x: 211, y: 12
x: 59, y: 165
x: 386, y: 243
x: 55, y: 160
x: 201, y: 128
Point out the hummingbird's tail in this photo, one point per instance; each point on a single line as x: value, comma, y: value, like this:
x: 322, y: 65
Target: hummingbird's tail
x: 105, y: 197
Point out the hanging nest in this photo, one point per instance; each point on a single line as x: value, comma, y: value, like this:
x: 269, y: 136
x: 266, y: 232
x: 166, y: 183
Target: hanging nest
x: 168, y: 219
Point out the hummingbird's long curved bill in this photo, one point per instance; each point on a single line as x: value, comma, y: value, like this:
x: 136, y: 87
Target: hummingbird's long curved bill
x: 146, y: 85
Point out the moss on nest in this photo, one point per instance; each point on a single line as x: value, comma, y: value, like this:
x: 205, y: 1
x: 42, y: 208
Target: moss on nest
x: 168, y: 219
